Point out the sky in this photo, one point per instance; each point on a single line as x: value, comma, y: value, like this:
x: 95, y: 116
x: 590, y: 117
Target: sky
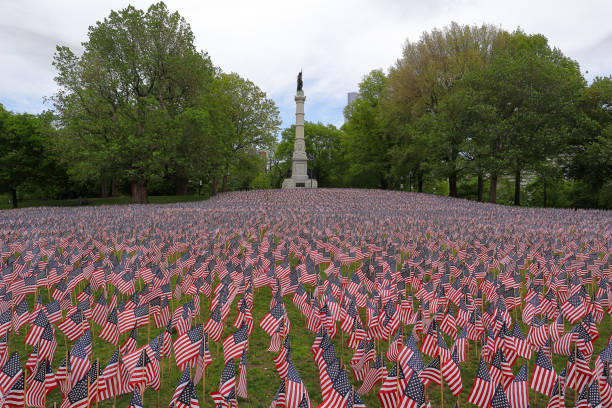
x: 335, y: 43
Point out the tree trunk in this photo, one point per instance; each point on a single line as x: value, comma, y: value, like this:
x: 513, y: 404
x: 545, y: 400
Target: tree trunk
x: 214, y: 186
x: 224, y: 183
x: 420, y: 181
x: 104, y: 187
x: 225, y: 174
x: 114, y: 188
x: 544, y: 191
x: 181, y: 186
x: 139, y: 192
x: 452, y: 184
x: 14, y: 197
x: 480, y: 186
x: 517, y: 187
x: 493, y: 190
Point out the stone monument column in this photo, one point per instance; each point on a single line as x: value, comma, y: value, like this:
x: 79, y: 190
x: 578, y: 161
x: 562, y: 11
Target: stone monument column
x: 299, y: 166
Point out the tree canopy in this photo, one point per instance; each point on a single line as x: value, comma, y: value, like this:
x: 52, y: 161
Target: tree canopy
x: 141, y: 102
x: 141, y: 110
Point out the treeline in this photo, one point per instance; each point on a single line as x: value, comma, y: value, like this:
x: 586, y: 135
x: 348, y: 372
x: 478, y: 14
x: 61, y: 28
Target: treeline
x: 474, y: 112
x: 140, y: 111
x: 466, y: 111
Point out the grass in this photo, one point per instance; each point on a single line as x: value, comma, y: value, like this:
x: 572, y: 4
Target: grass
x: 262, y: 379
x: 5, y: 203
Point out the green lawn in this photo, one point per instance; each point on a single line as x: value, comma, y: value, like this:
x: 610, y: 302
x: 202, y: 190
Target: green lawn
x: 6, y: 204
x: 262, y: 379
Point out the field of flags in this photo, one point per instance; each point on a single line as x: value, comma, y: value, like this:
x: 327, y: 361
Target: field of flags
x: 314, y: 298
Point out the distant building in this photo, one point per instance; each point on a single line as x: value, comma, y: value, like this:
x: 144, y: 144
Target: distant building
x: 351, y: 96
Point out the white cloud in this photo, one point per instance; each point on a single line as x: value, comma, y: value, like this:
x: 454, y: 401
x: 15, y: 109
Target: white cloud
x: 335, y: 42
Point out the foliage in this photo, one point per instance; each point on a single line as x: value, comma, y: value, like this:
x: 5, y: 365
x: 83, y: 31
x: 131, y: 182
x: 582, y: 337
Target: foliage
x: 120, y: 102
x: 253, y: 123
x: 324, y: 149
x: 365, y: 140
x: 25, y: 160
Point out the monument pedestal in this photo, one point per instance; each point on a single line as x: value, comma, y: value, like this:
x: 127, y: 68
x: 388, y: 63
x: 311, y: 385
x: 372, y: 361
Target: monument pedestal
x: 307, y: 183
x: 299, y: 163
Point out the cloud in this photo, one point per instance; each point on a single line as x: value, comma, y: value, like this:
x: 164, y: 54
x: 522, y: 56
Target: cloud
x: 335, y: 42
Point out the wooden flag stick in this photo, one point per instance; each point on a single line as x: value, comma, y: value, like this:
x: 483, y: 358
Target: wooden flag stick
x: 204, y: 363
x: 97, y: 379
x: 118, y: 376
x: 442, y: 393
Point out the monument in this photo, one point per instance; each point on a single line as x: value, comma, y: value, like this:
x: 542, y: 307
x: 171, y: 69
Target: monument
x: 299, y: 163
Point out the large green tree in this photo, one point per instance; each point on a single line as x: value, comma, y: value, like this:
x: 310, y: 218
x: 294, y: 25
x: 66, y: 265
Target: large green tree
x: 24, y: 158
x: 120, y: 101
x: 366, y: 138
x: 253, y: 119
x: 589, y: 160
x: 421, y: 90
x: 527, y: 94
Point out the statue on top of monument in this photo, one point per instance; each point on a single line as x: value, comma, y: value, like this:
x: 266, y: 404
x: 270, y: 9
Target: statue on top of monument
x: 299, y: 81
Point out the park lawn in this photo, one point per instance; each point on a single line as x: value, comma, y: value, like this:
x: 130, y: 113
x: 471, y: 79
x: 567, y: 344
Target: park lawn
x: 75, y: 202
x: 262, y: 379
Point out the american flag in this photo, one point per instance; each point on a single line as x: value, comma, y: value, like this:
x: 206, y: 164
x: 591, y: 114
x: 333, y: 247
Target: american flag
x: 113, y: 377
x: 214, y: 325
x: 579, y: 373
x: 388, y: 394
x: 227, y: 385
x: 483, y: 388
x: 130, y: 343
x: 20, y: 316
x: 573, y: 309
x: 518, y: 395
x: 413, y: 394
x: 47, y: 344
x: 500, y: 399
x: 187, y: 398
x: 187, y: 346
x: 376, y: 373
x: 77, y: 396
x: 341, y: 387
x: 42, y: 382
x: 431, y: 372
x: 241, y: 388
x: 79, y: 363
x: 136, y: 400
x: 37, y: 328
x: 557, y: 398
x: 544, y: 376
x: 10, y: 372
x: 182, y: 384
x: 593, y: 396
x: 15, y: 397
x: 138, y: 375
x: 272, y: 320
x: 236, y: 343
x: 128, y: 318
x: 450, y: 368
x: 74, y: 325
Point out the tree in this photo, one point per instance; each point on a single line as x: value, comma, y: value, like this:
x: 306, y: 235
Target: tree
x: 528, y: 92
x: 422, y: 81
x: 23, y: 157
x: 324, y: 150
x: 122, y: 98
x: 366, y: 139
x: 254, y: 120
x: 588, y: 161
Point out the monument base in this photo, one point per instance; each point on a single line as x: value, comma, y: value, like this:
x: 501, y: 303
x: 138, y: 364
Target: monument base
x: 306, y: 183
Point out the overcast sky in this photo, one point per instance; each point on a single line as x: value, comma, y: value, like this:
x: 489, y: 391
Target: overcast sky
x: 335, y: 42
